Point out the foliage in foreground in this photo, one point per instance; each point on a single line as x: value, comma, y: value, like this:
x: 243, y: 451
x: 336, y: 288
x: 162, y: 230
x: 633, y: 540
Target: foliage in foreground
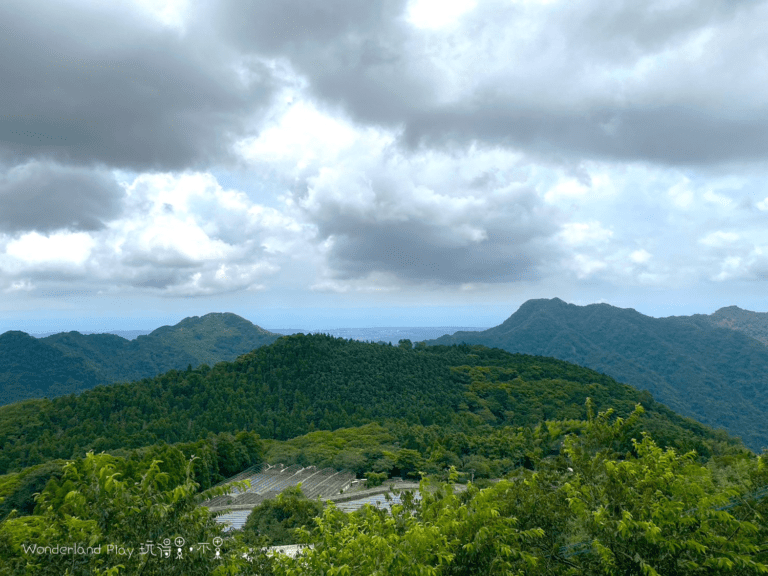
x: 592, y: 509
x: 95, y: 520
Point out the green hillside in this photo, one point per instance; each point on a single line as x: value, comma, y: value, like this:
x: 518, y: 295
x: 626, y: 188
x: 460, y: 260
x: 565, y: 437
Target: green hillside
x: 300, y: 384
x: 71, y: 362
x: 753, y: 324
x: 583, y: 492
x: 32, y: 369
x: 211, y: 338
x: 716, y: 375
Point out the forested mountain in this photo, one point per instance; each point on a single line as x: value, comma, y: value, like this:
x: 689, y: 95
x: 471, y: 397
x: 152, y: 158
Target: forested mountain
x: 588, y: 493
x: 71, y: 362
x: 30, y: 368
x: 719, y: 376
x: 753, y: 324
x: 304, y: 383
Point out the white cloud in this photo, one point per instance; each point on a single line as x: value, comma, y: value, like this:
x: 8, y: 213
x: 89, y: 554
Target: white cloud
x: 731, y: 267
x: 170, y: 13
x: 60, y: 248
x: 566, y: 190
x: 181, y: 235
x: 594, y: 184
x: 681, y: 194
x: 578, y: 233
x: 714, y: 198
x: 585, y: 266
x: 20, y: 286
x: 640, y: 256
x: 719, y: 238
x: 300, y: 136
x: 437, y: 13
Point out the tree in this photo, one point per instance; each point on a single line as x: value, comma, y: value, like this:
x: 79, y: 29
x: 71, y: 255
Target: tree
x: 653, y: 511
x: 273, y: 522
x: 92, y: 506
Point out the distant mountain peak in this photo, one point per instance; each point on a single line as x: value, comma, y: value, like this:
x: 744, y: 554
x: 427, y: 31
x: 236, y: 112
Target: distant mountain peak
x: 210, y: 321
x: 542, y: 303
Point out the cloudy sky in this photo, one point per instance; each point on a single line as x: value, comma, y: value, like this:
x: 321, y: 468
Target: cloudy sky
x: 339, y: 163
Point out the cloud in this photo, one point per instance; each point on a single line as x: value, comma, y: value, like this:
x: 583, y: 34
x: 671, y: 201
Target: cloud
x: 576, y: 233
x: 421, y: 218
x: 388, y: 147
x: 91, y: 82
x: 719, y: 238
x: 640, y: 256
x: 177, y: 235
x: 599, y: 79
x: 47, y: 197
x: 56, y: 249
x: 437, y: 14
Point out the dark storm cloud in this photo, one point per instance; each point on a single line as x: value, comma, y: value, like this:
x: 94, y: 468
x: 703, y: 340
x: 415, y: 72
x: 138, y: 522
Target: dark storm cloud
x: 48, y: 197
x: 353, y: 53
x: 366, y: 58
x: 298, y: 26
x: 416, y: 252
x: 675, y: 135
x: 453, y: 241
x: 88, y: 83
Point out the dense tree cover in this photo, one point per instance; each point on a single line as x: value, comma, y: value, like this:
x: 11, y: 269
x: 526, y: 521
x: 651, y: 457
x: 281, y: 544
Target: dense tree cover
x: 590, y: 509
x: 216, y: 458
x: 273, y: 522
x: 301, y: 384
x: 753, y: 324
x: 212, y: 338
x: 718, y: 376
x: 103, y: 515
x: 17, y: 490
x: 32, y: 369
x: 71, y: 362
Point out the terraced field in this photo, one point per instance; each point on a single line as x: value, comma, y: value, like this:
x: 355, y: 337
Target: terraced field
x: 267, y: 482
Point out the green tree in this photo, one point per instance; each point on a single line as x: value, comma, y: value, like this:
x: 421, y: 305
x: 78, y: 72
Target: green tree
x: 408, y: 463
x: 438, y: 535
x: 91, y: 505
x: 653, y: 511
x: 273, y: 522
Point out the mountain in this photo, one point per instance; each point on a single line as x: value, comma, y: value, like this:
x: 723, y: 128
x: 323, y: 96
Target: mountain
x: 716, y: 375
x: 71, y: 362
x: 32, y: 369
x: 300, y: 384
x: 753, y: 324
x: 127, y: 334
x: 211, y: 338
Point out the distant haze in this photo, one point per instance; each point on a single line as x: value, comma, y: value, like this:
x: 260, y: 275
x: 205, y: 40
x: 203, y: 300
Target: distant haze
x: 393, y: 335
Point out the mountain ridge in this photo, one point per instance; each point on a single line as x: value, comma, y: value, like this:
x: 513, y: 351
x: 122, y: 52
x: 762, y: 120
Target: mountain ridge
x: 300, y: 384
x: 72, y: 362
x: 753, y: 324
x: 717, y: 375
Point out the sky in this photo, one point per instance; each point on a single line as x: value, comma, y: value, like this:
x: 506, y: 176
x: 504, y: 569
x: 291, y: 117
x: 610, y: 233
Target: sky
x: 337, y: 163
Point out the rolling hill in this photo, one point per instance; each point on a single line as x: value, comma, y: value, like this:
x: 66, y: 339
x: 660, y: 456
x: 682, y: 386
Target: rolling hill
x: 300, y: 384
x: 694, y: 365
x: 71, y: 362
